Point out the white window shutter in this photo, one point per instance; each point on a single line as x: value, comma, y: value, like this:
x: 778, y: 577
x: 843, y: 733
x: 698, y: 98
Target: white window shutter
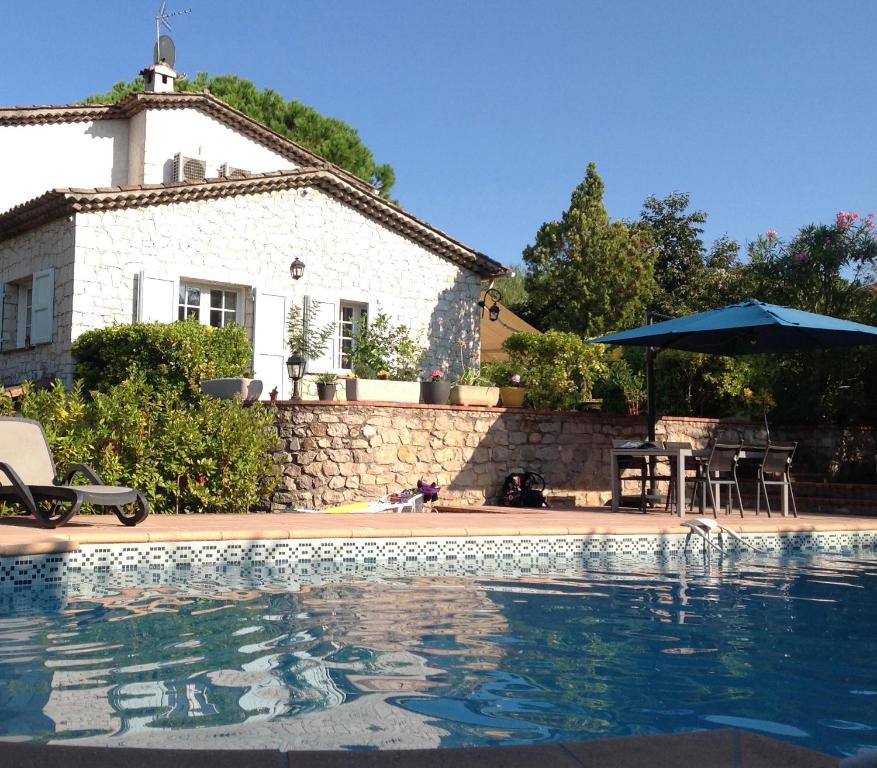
x: 269, y: 343
x: 42, y: 307
x: 325, y: 313
x: 157, y: 299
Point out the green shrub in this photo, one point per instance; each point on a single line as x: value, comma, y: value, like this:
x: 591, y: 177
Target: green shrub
x: 560, y: 368
x: 177, y: 355
x: 383, y: 348
x: 188, y: 454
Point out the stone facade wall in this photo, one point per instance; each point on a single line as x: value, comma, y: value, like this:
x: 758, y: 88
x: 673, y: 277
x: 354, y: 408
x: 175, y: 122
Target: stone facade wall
x: 245, y: 242
x: 20, y: 257
x: 339, y: 453
x: 249, y: 241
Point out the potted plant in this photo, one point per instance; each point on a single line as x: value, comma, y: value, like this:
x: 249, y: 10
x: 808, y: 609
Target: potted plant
x: 306, y: 340
x: 384, y: 361
x: 327, y: 386
x: 435, y: 390
x: 512, y: 396
x: 471, y: 389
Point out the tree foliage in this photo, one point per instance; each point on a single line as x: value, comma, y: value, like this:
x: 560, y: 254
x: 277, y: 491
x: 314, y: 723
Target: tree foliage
x: 824, y: 268
x: 687, y: 277
x: 328, y: 137
x: 587, y: 274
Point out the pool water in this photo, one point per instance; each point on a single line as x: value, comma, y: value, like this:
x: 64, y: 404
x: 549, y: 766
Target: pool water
x: 428, y: 655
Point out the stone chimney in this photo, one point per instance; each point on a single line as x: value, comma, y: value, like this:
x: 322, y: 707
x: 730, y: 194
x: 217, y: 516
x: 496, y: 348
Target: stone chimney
x: 159, y: 78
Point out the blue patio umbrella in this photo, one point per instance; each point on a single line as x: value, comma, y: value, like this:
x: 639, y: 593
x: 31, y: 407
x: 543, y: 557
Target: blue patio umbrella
x: 747, y: 328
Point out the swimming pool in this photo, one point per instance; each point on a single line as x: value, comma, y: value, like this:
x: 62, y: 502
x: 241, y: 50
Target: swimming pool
x: 335, y: 655
x: 330, y: 654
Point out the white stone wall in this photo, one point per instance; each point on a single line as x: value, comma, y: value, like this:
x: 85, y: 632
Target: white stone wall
x: 104, y: 153
x: 51, y: 245
x: 194, y: 134
x: 37, y: 158
x: 249, y: 241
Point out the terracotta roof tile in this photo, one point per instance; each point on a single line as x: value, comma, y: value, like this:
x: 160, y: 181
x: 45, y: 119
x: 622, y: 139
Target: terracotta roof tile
x: 64, y: 202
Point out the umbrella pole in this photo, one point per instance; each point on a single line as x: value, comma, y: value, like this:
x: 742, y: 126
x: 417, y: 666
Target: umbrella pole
x: 651, y: 416
x: 651, y: 408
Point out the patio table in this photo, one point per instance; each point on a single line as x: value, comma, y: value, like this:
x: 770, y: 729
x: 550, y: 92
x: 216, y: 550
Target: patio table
x: 679, y: 455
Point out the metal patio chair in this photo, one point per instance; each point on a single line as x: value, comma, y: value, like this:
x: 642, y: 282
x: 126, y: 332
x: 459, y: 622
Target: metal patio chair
x: 28, y: 477
x: 777, y: 461
x: 719, y: 469
x: 636, y: 463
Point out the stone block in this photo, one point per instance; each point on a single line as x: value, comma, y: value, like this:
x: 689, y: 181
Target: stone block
x: 446, y: 456
x: 385, y: 454
x: 407, y: 454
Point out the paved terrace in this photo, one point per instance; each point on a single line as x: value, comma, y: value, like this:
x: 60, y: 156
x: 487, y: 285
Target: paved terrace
x: 21, y: 535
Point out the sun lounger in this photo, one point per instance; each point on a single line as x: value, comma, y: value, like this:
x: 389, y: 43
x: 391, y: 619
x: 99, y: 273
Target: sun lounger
x: 28, y: 477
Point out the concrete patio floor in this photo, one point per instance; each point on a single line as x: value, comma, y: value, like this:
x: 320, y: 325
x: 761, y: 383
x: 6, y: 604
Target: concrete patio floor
x: 21, y: 535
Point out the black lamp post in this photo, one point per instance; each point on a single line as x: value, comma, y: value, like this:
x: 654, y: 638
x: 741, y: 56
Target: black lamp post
x: 495, y: 296
x: 297, y: 268
x: 295, y: 367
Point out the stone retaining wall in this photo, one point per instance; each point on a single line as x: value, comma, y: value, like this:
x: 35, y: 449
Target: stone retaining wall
x: 340, y: 452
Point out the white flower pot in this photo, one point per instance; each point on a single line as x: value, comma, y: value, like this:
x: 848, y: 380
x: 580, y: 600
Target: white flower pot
x: 233, y: 388
x: 384, y: 391
x: 469, y: 394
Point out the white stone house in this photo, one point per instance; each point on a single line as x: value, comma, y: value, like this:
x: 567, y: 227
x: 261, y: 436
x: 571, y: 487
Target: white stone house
x: 169, y: 205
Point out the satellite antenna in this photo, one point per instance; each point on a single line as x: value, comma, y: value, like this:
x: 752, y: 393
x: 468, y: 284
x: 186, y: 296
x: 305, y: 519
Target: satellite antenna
x: 164, y: 47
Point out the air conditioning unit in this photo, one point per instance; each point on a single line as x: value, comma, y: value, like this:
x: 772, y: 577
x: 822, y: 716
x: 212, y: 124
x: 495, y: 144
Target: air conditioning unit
x: 230, y: 172
x: 188, y: 168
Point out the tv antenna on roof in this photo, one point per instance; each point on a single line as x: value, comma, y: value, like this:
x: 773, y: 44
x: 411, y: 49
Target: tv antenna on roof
x: 164, y: 46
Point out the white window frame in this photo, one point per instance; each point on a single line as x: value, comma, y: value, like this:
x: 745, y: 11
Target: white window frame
x: 204, y: 300
x: 360, y: 309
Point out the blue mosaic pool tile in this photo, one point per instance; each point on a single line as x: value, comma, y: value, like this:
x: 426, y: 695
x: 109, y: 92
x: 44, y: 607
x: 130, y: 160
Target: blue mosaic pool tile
x: 309, y: 555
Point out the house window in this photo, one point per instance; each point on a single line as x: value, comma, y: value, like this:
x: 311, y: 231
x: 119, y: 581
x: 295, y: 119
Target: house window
x: 27, y: 311
x: 350, y: 318
x: 190, y: 302
x: 223, y: 307
x: 26, y: 304
x: 208, y: 305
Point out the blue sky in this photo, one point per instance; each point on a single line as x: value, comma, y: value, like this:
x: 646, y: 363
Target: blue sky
x: 489, y: 110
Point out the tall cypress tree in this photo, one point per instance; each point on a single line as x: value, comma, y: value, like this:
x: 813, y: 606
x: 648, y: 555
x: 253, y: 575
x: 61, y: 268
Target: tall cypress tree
x: 587, y: 274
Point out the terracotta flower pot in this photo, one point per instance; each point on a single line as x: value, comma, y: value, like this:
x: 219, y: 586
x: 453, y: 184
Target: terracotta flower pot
x: 435, y: 392
x: 512, y: 397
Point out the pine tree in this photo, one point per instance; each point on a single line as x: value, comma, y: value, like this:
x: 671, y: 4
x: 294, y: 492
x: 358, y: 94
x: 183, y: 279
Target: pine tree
x: 587, y: 274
